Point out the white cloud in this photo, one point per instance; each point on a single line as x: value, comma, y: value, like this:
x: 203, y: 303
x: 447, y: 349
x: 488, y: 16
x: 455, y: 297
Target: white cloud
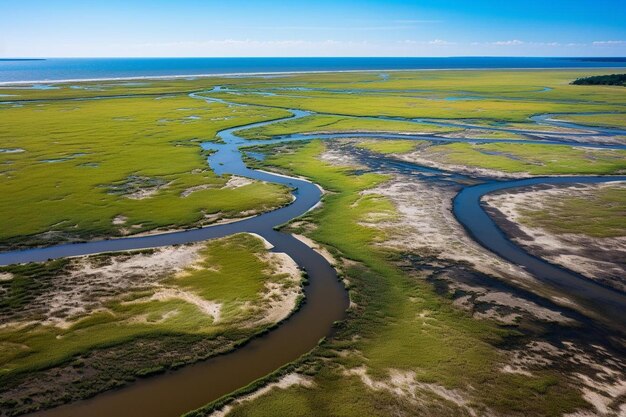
x: 513, y: 42
x: 441, y: 42
x: 434, y: 42
x: 333, y: 28
x: 609, y: 43
x: 300, y: 47
x: 520, y: 43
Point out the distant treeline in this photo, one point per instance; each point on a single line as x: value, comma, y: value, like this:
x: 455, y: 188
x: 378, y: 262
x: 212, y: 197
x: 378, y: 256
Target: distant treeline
x: 613, y: 79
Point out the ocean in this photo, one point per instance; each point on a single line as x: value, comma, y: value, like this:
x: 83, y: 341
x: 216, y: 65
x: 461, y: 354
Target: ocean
x: 57, y: 69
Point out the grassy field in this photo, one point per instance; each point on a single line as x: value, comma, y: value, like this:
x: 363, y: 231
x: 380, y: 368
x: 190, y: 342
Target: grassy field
x: 603, y: 120
x: 82, y: 169
x: 398, y: 324
x: 535, y: 159
x: 230, y: 274
x: 72, y: 167
x: 325, y: 123
x: 389, y: 105
x: 599, y: 214
x: 496, y: 95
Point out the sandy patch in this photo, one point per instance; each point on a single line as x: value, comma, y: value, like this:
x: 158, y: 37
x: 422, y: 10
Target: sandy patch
x: 599, y: 376
x: 340, y: 157
x: 90, y: 281
x: 428, y: 161
x: 119, y: 220
x: 236, y: 181
x: 6, y: 276
x: 405, y: 384
x: 281, y: 295
x: 510, y: 369
x: 426, y: 225
x: 506, y: 299
x: 284, y: 382
x: 207, y: 307
x: 317, y: 248
x: 187, y: 192
x: 145, y: 193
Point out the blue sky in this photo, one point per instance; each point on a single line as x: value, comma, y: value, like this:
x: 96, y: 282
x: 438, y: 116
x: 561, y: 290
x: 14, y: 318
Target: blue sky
x: 65, y: 28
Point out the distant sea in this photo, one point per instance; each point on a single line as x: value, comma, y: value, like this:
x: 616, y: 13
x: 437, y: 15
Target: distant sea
x: 56, y: 69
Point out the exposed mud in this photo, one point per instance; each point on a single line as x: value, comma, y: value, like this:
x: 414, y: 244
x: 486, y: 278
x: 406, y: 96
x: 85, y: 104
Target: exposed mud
x: 287, y: 381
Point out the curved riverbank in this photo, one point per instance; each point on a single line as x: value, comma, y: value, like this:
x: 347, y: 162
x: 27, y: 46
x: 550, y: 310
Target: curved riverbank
x: 198, y: 384
x: 605, y: 303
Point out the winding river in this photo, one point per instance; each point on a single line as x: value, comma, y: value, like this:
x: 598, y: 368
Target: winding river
x: 185, y: 389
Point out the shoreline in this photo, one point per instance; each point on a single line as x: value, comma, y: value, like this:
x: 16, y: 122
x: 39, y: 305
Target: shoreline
x: 287, y: 73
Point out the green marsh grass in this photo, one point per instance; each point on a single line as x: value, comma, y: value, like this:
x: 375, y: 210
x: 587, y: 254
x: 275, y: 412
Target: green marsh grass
x: 230, y: 273
x: 399, y: 322
x: 600, y: 213
x: 76, y: 153
x: 603, y: 120
x: 326, y: 123
x: 536, y: 159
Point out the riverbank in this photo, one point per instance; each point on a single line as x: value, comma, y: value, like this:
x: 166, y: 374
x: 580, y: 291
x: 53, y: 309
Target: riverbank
x: 388, y: 355
x: 583, y: 239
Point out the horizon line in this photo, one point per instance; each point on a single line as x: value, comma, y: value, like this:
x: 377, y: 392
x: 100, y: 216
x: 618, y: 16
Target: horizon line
x: 311, y: 57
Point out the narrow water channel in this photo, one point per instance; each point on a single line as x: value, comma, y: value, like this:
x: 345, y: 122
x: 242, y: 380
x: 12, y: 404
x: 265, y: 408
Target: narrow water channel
x: 604, y: 303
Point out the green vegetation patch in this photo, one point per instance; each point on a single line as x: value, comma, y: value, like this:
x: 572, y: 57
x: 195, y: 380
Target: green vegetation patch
x: 610, y: 79
x: 214, y: 297
x: 603, y: 120
x: 325, y: 123
x: 536, y: 159
x: 600, y: 213
x: 495, y: 95
x: 397, y: 323
x: 118, y: 166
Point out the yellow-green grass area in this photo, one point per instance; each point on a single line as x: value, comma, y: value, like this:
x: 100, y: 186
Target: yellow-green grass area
x: 107, y: 88
x: 508, y: 95
x: 72, y: 167
x: 389, y: 105
x: 514, y: 83
x: 600, y: 213
x: 602, y: 120
x: 398, y: 323
x: 536, y: 159
x: 232, y: 273
x: 398, y: 146
x: 91, y: 89
x: 327, y: 123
